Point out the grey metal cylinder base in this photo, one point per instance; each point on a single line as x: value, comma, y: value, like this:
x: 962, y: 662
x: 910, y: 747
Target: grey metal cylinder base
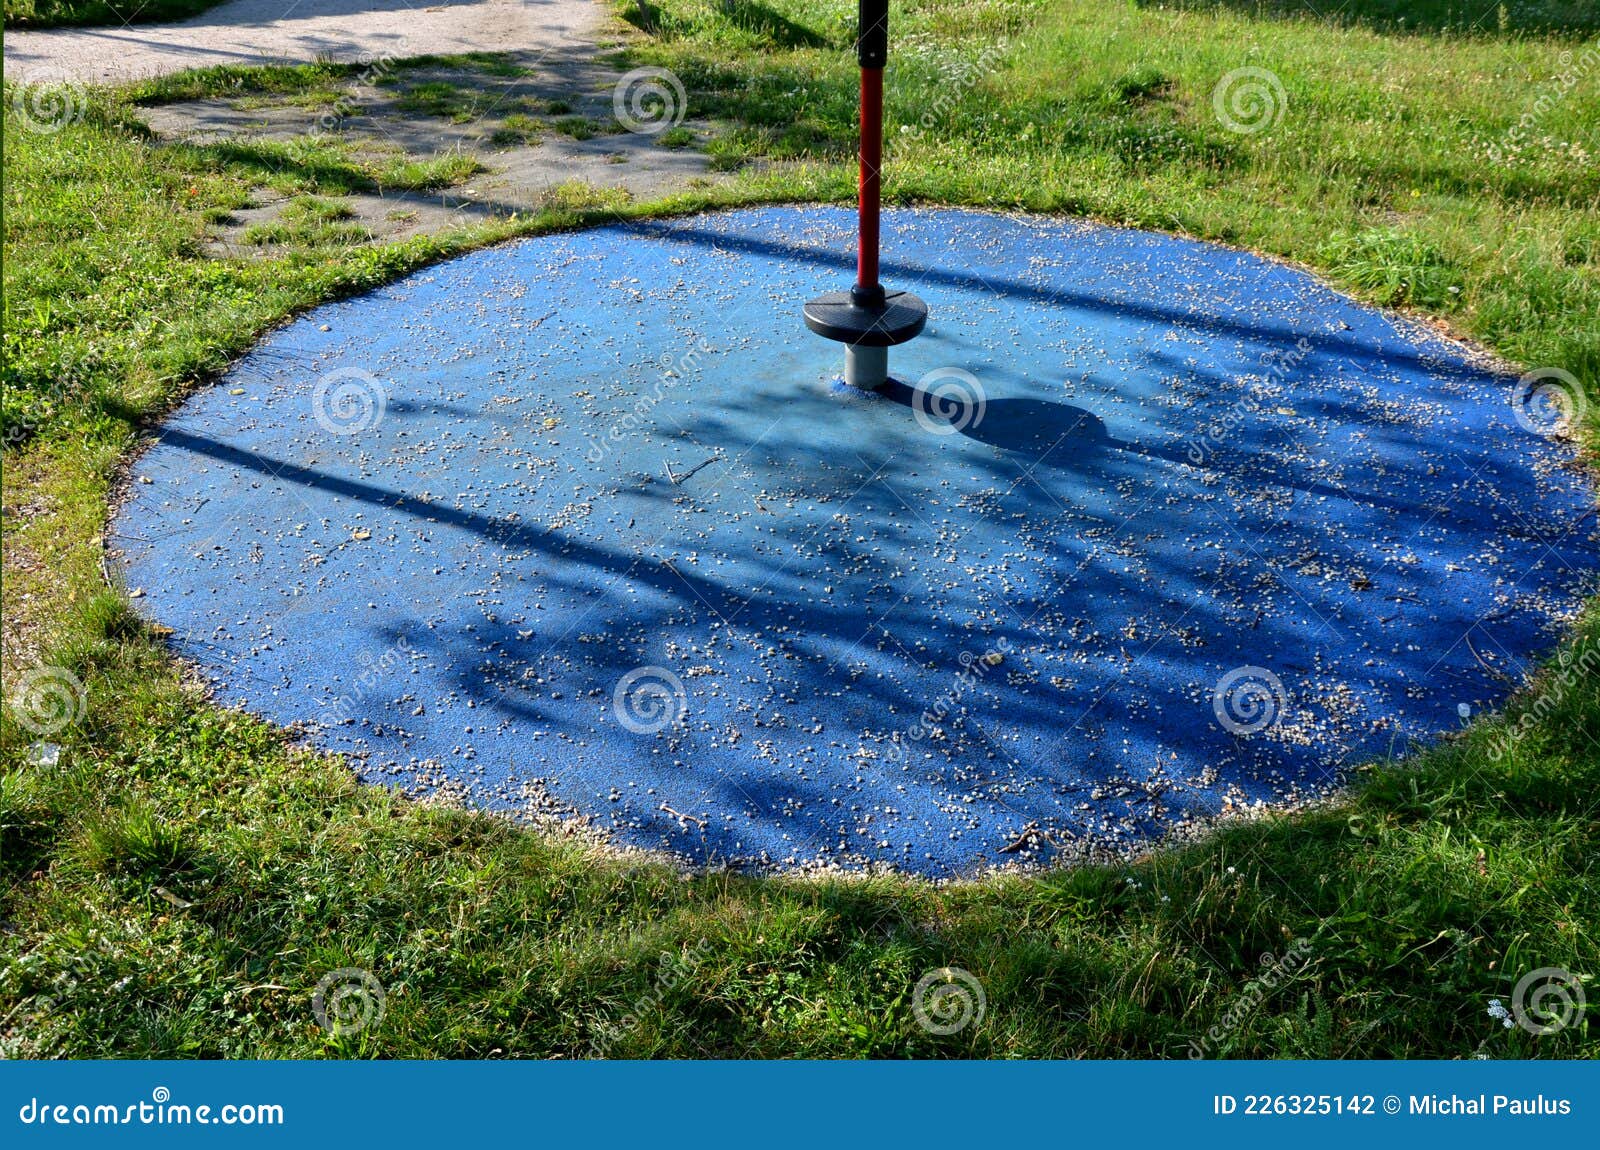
x: 866, y: 367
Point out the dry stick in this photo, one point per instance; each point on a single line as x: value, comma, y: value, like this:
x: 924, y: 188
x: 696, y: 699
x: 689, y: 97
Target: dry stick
x: 1028, y: 835
x: 683, y: 818
x: 679, y: 479
x: 1495, y: 671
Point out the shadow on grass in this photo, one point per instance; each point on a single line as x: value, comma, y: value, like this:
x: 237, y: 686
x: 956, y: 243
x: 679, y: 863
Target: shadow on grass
x: 757, y: 19
x: 81, y: 13
x: 774, y: 27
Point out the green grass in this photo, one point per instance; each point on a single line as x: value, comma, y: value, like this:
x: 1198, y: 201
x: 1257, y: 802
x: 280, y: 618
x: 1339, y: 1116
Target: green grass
x: 579, y: 127
x: 318, y: 209
x: 322, y: 76
x: 58, y: 13
x: 179, y: 881
x: 446, y: 99
x: 327, y: 164
x: 236, y: 80
x: 309, y: 221
x: 517, y: 128
x: 1464, y: 17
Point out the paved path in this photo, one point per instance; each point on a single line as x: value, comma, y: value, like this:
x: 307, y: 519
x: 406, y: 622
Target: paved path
x: 296, y: 31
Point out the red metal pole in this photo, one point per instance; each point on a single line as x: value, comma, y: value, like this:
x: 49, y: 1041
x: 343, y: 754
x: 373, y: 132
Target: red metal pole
x: 867, y: 319
x: 871, y: 163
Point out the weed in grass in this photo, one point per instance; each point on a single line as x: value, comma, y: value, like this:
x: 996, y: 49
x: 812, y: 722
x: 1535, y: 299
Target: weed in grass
x: 307, y: 233
x: 436, y: 98
x: 731, y: 150
x: 133, y: 842
x: 578, y: 127
x: 516, y: 129
x: 1139, y: 85
x: 499, y: 64
x: 247, y: 81
x: 577, y: 196
x: 1393, y: 266
x: 306, y: 164
x: 408, y: 175
x: 311, y: 221
x: 317, y: 209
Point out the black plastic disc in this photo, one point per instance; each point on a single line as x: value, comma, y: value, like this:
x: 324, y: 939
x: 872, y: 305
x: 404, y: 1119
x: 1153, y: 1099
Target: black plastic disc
x: 837, y: 316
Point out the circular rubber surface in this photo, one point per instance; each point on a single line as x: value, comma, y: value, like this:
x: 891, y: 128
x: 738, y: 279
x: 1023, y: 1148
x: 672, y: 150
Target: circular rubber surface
x: 1145, y: 531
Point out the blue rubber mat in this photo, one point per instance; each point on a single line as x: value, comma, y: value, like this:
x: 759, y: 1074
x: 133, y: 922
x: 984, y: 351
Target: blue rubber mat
x: 1144, y: 531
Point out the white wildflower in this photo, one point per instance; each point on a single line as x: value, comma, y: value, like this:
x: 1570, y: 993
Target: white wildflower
x: 1497, y: 1010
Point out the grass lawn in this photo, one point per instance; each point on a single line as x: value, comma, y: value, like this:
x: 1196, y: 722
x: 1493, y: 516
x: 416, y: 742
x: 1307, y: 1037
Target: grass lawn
x: 178, y: 877
x: 60, y: 13
x: 1492, y: 17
